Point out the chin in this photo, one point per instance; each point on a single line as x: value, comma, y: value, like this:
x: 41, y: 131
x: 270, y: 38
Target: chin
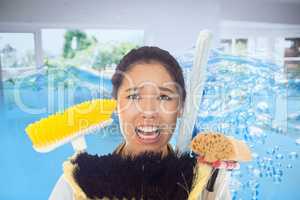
x: 158, y: 147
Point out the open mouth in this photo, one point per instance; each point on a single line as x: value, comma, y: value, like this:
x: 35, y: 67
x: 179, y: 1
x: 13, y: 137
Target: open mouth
x: 148, y: 133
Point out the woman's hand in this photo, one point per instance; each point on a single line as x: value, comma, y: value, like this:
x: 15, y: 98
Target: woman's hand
x: 228, y: 165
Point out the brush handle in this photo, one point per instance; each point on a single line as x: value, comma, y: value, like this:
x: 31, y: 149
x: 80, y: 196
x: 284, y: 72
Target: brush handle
x: 195, y: 85
x: 79, y: 144
x: 212, y: 180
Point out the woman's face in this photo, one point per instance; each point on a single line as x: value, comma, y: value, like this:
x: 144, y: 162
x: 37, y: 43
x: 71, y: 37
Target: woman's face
x: 148, y: 106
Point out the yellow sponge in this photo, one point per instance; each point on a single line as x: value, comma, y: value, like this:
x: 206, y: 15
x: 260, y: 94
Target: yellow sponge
x: 215, y: 146
x: 76, y: 121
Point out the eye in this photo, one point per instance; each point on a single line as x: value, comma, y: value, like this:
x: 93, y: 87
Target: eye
x: 165, y: 97
x: 133, y: 97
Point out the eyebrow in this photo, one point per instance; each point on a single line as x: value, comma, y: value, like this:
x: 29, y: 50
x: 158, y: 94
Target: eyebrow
x: 132, y: 89
x: 165, y: 89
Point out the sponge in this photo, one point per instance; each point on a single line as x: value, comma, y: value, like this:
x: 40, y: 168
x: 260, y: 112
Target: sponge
x: 214, y: 146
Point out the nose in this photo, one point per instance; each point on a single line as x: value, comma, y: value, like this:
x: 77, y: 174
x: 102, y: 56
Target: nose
x: 149, y: 108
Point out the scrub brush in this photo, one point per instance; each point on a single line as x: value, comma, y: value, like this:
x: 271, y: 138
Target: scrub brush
x: 70, y: 125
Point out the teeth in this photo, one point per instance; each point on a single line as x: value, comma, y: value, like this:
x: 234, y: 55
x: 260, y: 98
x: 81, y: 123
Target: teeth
x: 147, y: 133
x: 148, y: 129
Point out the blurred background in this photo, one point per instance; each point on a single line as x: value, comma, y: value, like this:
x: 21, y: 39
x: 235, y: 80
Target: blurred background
x: 54, y: 54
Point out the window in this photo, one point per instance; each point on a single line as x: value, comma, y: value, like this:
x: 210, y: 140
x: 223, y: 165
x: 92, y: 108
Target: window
x: 241, y: 46
x: 234, y: 46
x: 226, y: 46
x: 17, y: 50
x: 97, y: 49
x: 292, y: 57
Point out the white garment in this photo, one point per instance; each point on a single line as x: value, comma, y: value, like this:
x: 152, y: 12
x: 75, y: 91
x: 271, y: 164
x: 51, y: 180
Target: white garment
x: 62, y: 190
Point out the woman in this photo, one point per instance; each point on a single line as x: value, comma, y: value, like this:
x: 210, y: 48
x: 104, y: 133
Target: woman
x: 149, y: 88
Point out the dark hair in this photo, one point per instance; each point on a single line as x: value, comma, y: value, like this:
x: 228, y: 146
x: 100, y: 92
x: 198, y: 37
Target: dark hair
x: 149, y: 54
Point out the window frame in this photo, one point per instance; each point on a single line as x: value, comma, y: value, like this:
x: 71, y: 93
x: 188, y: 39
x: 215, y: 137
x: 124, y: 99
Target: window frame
x: 38, y: 53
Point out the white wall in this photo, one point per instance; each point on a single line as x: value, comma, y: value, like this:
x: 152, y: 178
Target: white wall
x: 268, y: 11
x: 169, y: 24
x: 233, y: 29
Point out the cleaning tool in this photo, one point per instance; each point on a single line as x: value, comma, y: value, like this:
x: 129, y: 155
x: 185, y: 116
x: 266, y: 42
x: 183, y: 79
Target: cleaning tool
x: 219, y: 151
x: 200, y: 180
x: 210, y: 146
x: 71, y: 125
x: 196, y: 84
x: 213, y: 147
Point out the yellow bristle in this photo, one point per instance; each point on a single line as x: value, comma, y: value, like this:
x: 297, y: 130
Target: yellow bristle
x: 62, y: 125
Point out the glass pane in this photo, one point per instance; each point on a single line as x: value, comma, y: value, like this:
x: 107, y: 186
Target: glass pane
x: 226, y: 45
x: 241, y: 46
x: 269, y: 119
x: 292, y: 47
x: 293, y: 68
x: 17, y: 57
x: 293, y: 120
x: 96, y: 49
x: 17, y: 50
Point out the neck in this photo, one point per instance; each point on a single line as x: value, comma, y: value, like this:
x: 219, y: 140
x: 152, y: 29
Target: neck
x: 126, y: 151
